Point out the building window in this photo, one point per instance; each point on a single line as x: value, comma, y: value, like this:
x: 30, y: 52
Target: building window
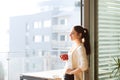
x: 37, y: 24
x: 63, y: 21
x: 40, y: 53
x: 54, y: 36
x: 43, y: 53
x: 33, y: 52
x: 77, y: 4
x: 63, y: 52
x: 27, y: 66
x: 26, y: 40
x: 55, y: 51
x: 62, y: 37
x: 47, y: 23
x: 54, y: 21
x: 37, y: 38
x: 33, y: 66
x: 27, y: 27
x: 46, y: 38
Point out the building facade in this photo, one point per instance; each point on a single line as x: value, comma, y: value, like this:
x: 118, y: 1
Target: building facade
x: 37, y: 40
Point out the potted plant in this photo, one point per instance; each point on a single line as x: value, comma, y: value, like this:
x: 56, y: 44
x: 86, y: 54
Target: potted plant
x: 116, y: 70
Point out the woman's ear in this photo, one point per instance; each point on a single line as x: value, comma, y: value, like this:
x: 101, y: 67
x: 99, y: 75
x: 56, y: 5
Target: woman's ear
x: 80, y: 34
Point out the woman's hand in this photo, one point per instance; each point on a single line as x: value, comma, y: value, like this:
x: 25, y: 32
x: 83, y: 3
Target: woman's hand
x: 73, y: 71
x: 69, y: 71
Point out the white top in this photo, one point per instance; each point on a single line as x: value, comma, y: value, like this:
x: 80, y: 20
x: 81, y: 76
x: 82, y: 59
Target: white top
x: 81, y: 56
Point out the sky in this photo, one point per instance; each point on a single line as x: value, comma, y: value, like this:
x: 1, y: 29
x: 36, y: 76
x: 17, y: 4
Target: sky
x: 10, y: 8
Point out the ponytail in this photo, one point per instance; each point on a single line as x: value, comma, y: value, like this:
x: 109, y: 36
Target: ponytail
x: 85, y: 36
x: 86, y: 41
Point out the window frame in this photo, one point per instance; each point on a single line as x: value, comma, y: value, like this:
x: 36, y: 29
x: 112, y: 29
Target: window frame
x: 90, y: 22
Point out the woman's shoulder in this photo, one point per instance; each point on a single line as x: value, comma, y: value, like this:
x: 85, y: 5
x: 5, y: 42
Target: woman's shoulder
x: 81, y: 46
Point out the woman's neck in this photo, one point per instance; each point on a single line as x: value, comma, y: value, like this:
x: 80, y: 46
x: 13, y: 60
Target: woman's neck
x: 78, y: 42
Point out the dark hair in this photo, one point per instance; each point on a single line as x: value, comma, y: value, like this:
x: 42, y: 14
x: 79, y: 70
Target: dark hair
x: 85, y: 35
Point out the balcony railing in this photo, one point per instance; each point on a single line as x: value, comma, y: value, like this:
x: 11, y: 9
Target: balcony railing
x: 12, y: 66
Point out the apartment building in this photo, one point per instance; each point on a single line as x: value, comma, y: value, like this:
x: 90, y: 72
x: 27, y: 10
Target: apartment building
x: 37, y: 40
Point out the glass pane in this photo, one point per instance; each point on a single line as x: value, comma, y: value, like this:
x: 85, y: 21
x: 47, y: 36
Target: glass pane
x: 33, y: 33
x: 47, y: 23
x: 109, y: 39
x: 37, y: 38
x: 37, y: 24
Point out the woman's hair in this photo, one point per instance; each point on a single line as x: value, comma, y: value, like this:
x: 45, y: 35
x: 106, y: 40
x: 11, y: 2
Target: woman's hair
x: 85, y: 36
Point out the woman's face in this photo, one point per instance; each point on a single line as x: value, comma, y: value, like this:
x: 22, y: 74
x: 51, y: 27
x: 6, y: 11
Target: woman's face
x: 74, y: 35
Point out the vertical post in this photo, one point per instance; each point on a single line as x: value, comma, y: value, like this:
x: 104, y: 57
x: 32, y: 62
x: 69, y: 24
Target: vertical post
x: 86, y: 24
x: 81, y: 8
x: 21, y: 77
x: 93, y: 39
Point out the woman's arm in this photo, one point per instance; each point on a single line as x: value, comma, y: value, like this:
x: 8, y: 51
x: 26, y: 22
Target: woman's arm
x: 83, y: 62
x: 74, y: 71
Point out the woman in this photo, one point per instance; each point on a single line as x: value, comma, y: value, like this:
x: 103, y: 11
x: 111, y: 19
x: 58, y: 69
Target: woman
x: 77, y: 61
